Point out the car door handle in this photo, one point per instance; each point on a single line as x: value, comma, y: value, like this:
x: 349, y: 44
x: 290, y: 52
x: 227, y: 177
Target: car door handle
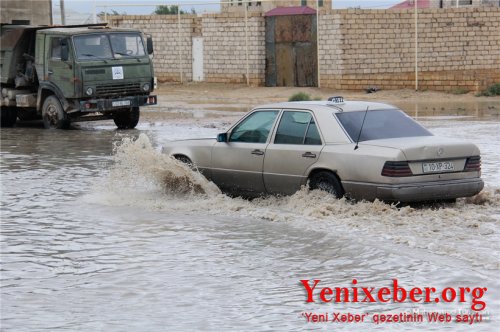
x: 257, y: 152
x: 309, y: 155
x: 50, y: 72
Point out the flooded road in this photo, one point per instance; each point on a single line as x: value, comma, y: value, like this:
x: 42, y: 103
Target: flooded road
x: 99, y: 234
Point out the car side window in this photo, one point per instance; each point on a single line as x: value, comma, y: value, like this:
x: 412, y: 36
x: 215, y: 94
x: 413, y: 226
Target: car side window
x: 255, y: 128
x: 312, y: 135
x: 297, y: 128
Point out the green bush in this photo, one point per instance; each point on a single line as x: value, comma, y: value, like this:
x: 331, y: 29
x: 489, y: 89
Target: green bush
x: 299, y: 96
x: 459, y: 91
x: 492, y: 90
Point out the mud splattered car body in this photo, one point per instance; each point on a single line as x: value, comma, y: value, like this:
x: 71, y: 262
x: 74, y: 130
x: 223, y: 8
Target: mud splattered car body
x: 363, y: 150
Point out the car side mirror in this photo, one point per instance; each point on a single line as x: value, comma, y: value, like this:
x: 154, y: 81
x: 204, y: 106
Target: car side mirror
x: 149, y: 44
x: 222, y: 137
x: 64, y: 49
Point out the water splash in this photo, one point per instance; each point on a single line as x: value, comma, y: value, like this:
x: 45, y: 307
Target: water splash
x: 138, y: 166
x: 144, y: 177
x: 485, y: 197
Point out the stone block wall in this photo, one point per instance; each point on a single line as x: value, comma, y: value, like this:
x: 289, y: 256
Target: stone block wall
x: 225, y: 51
x: 172, y: 42
x: 457, y: 47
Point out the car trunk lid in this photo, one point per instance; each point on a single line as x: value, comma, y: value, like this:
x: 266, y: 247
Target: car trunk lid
x: 431, y: 154
x: 428, y: 147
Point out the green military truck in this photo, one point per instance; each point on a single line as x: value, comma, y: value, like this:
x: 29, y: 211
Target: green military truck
x: 74, y: 73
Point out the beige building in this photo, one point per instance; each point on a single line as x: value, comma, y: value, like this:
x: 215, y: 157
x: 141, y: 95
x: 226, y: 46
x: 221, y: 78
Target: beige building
x: 463, y: 3
x: 264, y: 6
x: 38, y: 12
x: 423, y: 4
x: 474, y: 3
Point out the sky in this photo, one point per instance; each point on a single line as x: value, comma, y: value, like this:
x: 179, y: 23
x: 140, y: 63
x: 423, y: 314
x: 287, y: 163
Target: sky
x: 79, y: 11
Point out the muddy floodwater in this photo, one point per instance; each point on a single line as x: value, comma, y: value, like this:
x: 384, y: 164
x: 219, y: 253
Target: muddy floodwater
x: 101, y: 232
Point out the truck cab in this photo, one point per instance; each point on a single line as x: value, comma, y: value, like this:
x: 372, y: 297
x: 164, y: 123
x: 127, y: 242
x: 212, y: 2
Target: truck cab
x: 76, y: 73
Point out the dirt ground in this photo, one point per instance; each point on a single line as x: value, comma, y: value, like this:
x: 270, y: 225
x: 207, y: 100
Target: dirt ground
x: 241, y: 97
x: 199, y: 102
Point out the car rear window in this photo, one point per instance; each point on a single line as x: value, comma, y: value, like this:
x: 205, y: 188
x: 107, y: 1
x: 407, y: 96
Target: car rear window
x: 380, y: 124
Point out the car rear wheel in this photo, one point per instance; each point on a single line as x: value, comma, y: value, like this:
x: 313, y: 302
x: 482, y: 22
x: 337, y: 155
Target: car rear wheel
x: 328, y: 182
x: 53, y: 114
x: 127, y: 119
x: 9, y: 116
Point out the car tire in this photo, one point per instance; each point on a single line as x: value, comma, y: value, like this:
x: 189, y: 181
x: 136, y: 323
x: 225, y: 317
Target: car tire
x: 53, y: 114
x: 326, y: 181
x: 127, y: 119
x: 185, y: 160
x: 8, y: 117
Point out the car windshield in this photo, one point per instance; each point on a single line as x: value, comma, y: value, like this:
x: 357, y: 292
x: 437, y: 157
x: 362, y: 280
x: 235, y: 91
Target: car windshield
x: 380, y: 124
x: 108, y: 46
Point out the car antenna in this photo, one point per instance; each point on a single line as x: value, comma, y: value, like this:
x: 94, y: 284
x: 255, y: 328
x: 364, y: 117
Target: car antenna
x: 361, y: 129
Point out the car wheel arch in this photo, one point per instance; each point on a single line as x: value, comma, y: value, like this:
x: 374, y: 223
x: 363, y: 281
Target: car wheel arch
x: 318, y: 170
x: 182, y: 158
x: 315, y: 171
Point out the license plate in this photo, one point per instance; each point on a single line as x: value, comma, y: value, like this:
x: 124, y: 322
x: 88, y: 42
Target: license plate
x: 119, y: 103
x: 441, y: 166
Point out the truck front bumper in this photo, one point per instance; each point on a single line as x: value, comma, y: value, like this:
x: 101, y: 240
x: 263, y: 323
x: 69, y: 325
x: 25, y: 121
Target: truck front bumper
x: 110, y: 105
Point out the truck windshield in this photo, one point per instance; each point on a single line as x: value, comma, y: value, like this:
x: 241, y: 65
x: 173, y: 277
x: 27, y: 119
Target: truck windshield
x: 380, y: 124
x: 108, y: 46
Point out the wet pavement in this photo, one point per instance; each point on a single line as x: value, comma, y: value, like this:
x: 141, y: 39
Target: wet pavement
x: 96, y: 235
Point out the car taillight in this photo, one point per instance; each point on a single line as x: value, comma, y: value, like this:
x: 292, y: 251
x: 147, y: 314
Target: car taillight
x: 473, y: 164
x: 396, y: 169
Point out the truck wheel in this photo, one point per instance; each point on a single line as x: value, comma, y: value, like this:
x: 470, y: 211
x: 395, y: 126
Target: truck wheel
x: 328, y: 182
x: 8, y: 117
x: 53, y: 115
x: 127, y: 119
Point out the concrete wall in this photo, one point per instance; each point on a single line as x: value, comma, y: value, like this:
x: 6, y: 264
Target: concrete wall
x: 458, y: 47
x: 39, y: 12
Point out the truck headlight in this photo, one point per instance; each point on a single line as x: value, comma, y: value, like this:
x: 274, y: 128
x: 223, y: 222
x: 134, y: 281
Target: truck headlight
x: 89, y: 91
x: 146, y: 87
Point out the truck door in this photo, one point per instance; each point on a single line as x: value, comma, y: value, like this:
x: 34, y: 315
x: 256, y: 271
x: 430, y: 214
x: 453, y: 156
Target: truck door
x: 58, y: 72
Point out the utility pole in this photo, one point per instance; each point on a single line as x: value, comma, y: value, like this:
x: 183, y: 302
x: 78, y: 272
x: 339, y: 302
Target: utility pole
x: 318, y: 44
x: 416, y: 46
x: 63, y: 16
x: 246, y: 43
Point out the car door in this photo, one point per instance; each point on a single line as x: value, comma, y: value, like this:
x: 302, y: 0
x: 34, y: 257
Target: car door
x: 237, y: 164
x: 58, y: 72
x: 296, y: 146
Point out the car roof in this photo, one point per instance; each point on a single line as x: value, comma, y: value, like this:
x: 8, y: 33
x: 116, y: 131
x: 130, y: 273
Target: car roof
x: 322, y: 105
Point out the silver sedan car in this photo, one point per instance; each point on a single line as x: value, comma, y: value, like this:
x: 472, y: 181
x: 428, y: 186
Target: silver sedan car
x: 362, y: 150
